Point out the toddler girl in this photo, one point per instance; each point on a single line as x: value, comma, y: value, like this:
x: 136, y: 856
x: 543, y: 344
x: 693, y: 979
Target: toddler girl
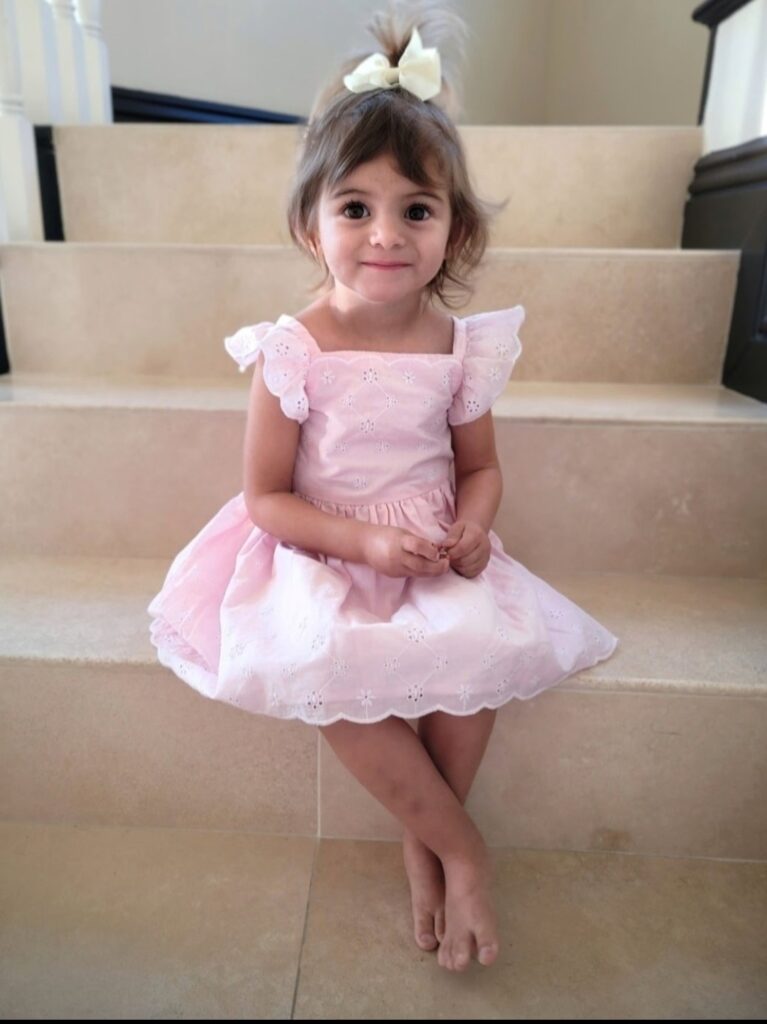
x: 356, y: 581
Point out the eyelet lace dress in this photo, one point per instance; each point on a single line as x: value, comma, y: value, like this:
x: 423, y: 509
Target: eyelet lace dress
x: 275, y: 629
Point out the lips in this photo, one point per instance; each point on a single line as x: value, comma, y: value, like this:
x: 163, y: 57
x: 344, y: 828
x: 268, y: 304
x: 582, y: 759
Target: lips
x: 388, y: 265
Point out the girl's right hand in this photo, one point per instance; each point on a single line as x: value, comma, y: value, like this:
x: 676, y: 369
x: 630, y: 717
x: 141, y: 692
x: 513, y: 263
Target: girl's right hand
x: 395, y: 551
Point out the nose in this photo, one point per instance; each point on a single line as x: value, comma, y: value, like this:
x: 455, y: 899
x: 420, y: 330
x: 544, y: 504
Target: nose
x: 386, y: 231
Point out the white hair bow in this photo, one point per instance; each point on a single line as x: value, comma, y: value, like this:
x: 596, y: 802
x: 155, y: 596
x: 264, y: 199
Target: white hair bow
x: 418, y: 71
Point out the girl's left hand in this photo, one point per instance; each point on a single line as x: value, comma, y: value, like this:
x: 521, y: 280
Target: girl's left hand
x: 467, y: 546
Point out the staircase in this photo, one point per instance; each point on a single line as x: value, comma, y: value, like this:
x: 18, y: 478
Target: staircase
x: 166, y: 855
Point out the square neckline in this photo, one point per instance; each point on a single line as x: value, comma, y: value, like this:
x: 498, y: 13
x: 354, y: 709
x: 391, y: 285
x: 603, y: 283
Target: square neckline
x: 458, y: 326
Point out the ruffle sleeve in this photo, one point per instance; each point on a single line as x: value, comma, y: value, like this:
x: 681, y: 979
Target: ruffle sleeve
x: 286, y: 361
x: 492, y: 348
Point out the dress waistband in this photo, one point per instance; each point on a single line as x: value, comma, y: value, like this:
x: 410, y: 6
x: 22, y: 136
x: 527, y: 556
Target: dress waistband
x: 445, y: 486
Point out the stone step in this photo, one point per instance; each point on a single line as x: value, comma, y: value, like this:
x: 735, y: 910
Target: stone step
x: 581, y: 186
x: 151, y: 924
x: 613, y: 315
x: 597, y: 477
x: 659, y: 750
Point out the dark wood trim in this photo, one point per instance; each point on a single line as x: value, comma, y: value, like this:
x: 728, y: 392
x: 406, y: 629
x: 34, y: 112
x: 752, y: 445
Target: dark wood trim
x: 139, y: 105
x: 707, y: 74
x: 727, y: 209
x: 734, y: 167
x: 53, y: 228
x: 714, y: 12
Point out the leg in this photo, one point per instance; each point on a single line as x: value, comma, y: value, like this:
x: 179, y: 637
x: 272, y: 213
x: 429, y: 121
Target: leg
x: 456, y: 745
x: 389, y: 759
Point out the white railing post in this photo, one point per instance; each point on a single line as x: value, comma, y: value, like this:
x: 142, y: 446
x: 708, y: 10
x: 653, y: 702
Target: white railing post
x: 21, y: 216
x: 70, y: 46
x: 40, y: 76
x: 96, y: 62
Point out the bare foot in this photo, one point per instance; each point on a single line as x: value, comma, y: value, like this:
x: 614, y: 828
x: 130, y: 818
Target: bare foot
x: 471, y: 924
x: 427, y: 891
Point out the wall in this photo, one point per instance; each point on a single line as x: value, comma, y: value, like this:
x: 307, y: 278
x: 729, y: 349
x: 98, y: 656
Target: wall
x: 529, y: 61
x: 624, y: 62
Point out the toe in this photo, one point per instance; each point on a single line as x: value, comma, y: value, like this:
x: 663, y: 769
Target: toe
x: 439, y: 924
x: 424, y: 930
x: 488, y: 951
x: 461, y: 957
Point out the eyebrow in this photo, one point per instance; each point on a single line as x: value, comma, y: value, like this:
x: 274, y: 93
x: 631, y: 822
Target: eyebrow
x: 362, y: 192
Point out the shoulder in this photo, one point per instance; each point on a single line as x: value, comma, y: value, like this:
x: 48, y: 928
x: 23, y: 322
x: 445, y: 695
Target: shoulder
x: 492, y: 348
x: 279, y: 341
x: 493, y: 334
x: 495, y: 321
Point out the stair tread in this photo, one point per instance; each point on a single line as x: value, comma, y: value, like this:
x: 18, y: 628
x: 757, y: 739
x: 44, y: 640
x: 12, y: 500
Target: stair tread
x: 677, y: 633
x: 594, y: 402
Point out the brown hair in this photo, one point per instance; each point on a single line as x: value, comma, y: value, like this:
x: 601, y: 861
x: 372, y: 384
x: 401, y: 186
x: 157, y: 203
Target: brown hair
x: 346, y: 129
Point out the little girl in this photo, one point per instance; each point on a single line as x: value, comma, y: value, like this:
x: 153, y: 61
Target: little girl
x: 356, y: 581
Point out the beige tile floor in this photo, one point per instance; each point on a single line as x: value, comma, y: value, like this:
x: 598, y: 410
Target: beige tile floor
x: 172, y: 923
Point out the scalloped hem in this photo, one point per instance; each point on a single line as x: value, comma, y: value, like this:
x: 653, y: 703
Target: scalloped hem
x: 439, y: 707
x: 198, y: 678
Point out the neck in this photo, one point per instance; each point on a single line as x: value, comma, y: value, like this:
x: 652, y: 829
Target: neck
x: 386, y: 322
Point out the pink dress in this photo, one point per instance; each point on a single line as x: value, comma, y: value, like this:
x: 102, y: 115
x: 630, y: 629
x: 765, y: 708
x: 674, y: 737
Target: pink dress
x: 278, y: 630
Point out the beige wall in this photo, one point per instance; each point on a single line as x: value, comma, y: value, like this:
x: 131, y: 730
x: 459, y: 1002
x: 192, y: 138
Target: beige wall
x: 624, y: 62
x: 529, y: 61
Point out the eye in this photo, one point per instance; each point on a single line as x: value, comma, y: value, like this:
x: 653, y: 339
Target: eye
x: 349, y: 206
x: 415, y: 206
x: 421, y: 206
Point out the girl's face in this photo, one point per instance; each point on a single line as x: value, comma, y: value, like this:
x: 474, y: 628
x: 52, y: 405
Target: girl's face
x: 382, y: 218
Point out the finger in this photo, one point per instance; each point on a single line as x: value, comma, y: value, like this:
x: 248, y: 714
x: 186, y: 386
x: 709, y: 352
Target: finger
x: 458, y: 532
x: 417, y: 565
x: 421, y: 547
x: 467, y: 564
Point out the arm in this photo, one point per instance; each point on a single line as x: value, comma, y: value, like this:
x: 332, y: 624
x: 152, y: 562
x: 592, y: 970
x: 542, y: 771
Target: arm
x: 268, y: 482
x: 478, y: 479
x: 478, y: 496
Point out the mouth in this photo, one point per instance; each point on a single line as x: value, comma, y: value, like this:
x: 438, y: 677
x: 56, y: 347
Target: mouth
x: 387, y: 266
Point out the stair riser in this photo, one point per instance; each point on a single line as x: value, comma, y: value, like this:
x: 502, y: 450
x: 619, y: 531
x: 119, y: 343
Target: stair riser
x: 602, y: 186
x: 570, y: 770
x: 649, y: 317
x: 609, y: 497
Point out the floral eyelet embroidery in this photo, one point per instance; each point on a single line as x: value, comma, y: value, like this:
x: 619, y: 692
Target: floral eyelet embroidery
x: 415, y: 692
x: 313, y: 700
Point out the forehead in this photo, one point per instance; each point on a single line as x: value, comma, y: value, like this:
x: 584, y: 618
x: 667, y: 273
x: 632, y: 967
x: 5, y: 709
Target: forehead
x: 381, y: 175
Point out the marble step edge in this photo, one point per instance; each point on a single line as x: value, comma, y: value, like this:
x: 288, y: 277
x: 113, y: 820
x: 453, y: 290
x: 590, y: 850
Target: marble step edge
x: 549, y: 129
x: 276, y: 249
x: 677, y: 634
x: 530, y: 401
